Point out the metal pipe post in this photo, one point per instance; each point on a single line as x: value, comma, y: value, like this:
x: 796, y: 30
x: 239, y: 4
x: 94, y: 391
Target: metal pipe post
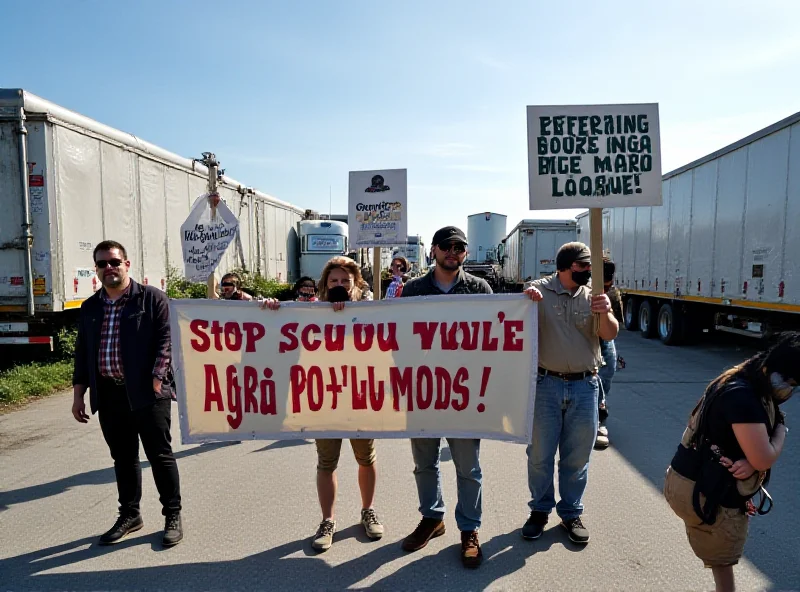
x: 210, y: 160
x: 27, y: 234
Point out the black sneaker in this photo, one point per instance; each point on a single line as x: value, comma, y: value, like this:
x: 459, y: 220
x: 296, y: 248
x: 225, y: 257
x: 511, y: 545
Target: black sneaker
x: 173, y: 530
x: 578, y: 533
x: 125, y: 525
x: 534, y: 527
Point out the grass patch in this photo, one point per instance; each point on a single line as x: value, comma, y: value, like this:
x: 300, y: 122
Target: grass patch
x: 34, y: 380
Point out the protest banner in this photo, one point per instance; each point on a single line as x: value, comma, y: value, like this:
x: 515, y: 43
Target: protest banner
x: 378, y: 208
x: 461, y: 366
x: 594, y: 156
x: 206, y: 237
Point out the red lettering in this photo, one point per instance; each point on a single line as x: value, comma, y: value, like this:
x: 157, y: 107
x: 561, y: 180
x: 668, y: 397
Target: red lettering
x: 297, y: 384
x: 250, y: 386
x: 315, y: 387
x: 216, y: 331
x: 388, y: 342
x: 268, y: 401
x: 234, y: 398
x: 489, y: 342
x: 233, y: 336
x: 363, y: 336
x: 288, y: 331
x: 443, y: 384
x: 470, y: 340
x: 213, y: 392
x: 459, y: 388
x: 334, y: 388
x: 359, y: 396
x: 424, y: 394
x: 375, y: 396
x: 202, y: 343
x: 510, y: 340
x: 254, y: 332
x: 401, y: 386
x: 306, y: 337
x: 449, y: 336
x: 334, y: 343
x: 426, y: 332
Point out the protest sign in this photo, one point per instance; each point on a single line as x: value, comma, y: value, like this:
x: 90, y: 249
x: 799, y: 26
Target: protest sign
x: 460, y: 366
x: 594, y: 156
x: 378, y: 208
x: 204, y: 240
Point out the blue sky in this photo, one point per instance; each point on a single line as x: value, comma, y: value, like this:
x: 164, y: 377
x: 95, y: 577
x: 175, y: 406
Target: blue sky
x: 293, y: 95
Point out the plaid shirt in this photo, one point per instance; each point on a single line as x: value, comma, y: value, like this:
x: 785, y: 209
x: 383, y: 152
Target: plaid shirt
x: 110, y: 358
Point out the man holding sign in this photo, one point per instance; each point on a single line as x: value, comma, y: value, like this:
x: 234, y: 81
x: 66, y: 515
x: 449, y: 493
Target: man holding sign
x: 567, y: 389
x: 447, y: 277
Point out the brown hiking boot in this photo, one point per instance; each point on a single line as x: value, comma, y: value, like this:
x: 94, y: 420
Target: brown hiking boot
x: 471, y: 554
x: 427, y: 529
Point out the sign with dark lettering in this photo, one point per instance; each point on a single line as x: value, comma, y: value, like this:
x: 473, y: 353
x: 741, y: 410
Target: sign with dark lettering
x: 378, y: 208
x: 594, y: 156
x: 204, y: 240
x: 461, y: 366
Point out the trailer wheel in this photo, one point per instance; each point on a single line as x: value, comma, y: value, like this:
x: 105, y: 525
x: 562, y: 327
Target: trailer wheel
x: 647, y: 325
x: 631, y: 316
x: 670, y: 325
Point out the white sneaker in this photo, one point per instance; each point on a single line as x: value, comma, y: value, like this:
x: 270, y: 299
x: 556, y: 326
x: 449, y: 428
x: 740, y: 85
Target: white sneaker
x: 602, y: 440
x: 371, y: 524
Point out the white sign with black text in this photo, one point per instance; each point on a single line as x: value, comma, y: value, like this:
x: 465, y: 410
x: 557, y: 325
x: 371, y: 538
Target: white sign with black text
x: 205, y: 240
x: 378, y: 208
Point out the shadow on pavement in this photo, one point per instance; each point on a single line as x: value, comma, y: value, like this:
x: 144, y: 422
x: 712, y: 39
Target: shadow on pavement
x: 96, y: 477
x: 648, y: 414
x: 280, y: 568
x: 278, y: 444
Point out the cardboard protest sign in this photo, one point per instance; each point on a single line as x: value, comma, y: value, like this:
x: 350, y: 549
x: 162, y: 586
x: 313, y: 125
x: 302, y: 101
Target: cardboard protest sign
x: 204, y: 241
x: 594, y: 156
x: 460, y: 366
x: 378, y: 208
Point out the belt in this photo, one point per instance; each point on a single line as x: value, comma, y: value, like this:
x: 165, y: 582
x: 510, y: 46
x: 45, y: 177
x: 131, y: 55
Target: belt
x: 567, y: 375
x: 113, y: 380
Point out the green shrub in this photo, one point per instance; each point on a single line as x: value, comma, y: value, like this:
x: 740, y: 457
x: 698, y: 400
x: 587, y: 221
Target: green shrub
x: 253, y: 283
x: 65, y: 341
x: 34, y: 380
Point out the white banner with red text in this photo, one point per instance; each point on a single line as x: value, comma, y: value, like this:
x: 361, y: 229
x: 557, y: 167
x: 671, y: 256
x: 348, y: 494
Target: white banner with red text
x: 456, y: 366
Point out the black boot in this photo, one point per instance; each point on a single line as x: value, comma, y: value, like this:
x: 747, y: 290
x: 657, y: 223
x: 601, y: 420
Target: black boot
x: 173, y: 530
x: 125, y: 525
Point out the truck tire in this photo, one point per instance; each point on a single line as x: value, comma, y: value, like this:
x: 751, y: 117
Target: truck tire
x: 631, y: 315
x: 670, y: 325
x: 647, y: 324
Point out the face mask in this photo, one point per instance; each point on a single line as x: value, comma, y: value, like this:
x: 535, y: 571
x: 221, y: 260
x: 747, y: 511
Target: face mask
x: 782, y: 391
x: 338, y: 294
x: 582, y: 277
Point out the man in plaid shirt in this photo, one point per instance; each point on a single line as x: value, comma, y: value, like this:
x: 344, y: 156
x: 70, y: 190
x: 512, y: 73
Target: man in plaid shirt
x: 122, y: 357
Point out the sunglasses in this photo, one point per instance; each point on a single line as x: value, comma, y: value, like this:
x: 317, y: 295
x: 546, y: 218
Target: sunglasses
x: 228, y: 285
x: 457, y: 248
x: 102, y: 264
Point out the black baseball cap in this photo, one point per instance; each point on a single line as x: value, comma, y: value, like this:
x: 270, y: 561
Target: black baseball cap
x: 449, y: 233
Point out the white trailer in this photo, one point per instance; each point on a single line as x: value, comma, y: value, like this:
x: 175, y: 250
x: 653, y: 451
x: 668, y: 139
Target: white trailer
x: 319, y: 241
x: 529, y: 251
x: 485, y: 231
x: 68, y: 182
x: 721, y: 253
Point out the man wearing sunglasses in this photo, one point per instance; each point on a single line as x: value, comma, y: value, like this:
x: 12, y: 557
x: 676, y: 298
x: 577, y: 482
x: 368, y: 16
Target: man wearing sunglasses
x: 123, y: 357
x: 447, y: 277
x: 567, y: 388
x: 231, y: 288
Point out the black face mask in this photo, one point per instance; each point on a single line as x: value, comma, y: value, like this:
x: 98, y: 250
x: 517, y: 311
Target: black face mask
x: 582, y: 277
x: 338, y: 294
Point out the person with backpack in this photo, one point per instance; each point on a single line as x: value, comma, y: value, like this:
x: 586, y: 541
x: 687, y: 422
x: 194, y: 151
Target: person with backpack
x: 734, y: 436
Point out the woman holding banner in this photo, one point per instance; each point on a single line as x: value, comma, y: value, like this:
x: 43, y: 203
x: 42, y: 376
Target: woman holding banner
x: 341, y: 282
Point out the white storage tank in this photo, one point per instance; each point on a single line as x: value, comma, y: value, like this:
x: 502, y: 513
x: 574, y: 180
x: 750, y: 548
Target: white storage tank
x: 484, y: 233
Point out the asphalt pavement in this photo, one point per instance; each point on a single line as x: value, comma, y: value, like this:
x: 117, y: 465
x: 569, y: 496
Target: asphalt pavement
x: 251, y: 508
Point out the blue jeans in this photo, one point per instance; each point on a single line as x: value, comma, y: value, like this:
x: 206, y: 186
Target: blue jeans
x: 606, y: 373
x: 466, y: 458
x: 564, y: 418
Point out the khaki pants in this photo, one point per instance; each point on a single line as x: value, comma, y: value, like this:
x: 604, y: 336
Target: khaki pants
x: 328, y: 453
x: 717, y: 545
